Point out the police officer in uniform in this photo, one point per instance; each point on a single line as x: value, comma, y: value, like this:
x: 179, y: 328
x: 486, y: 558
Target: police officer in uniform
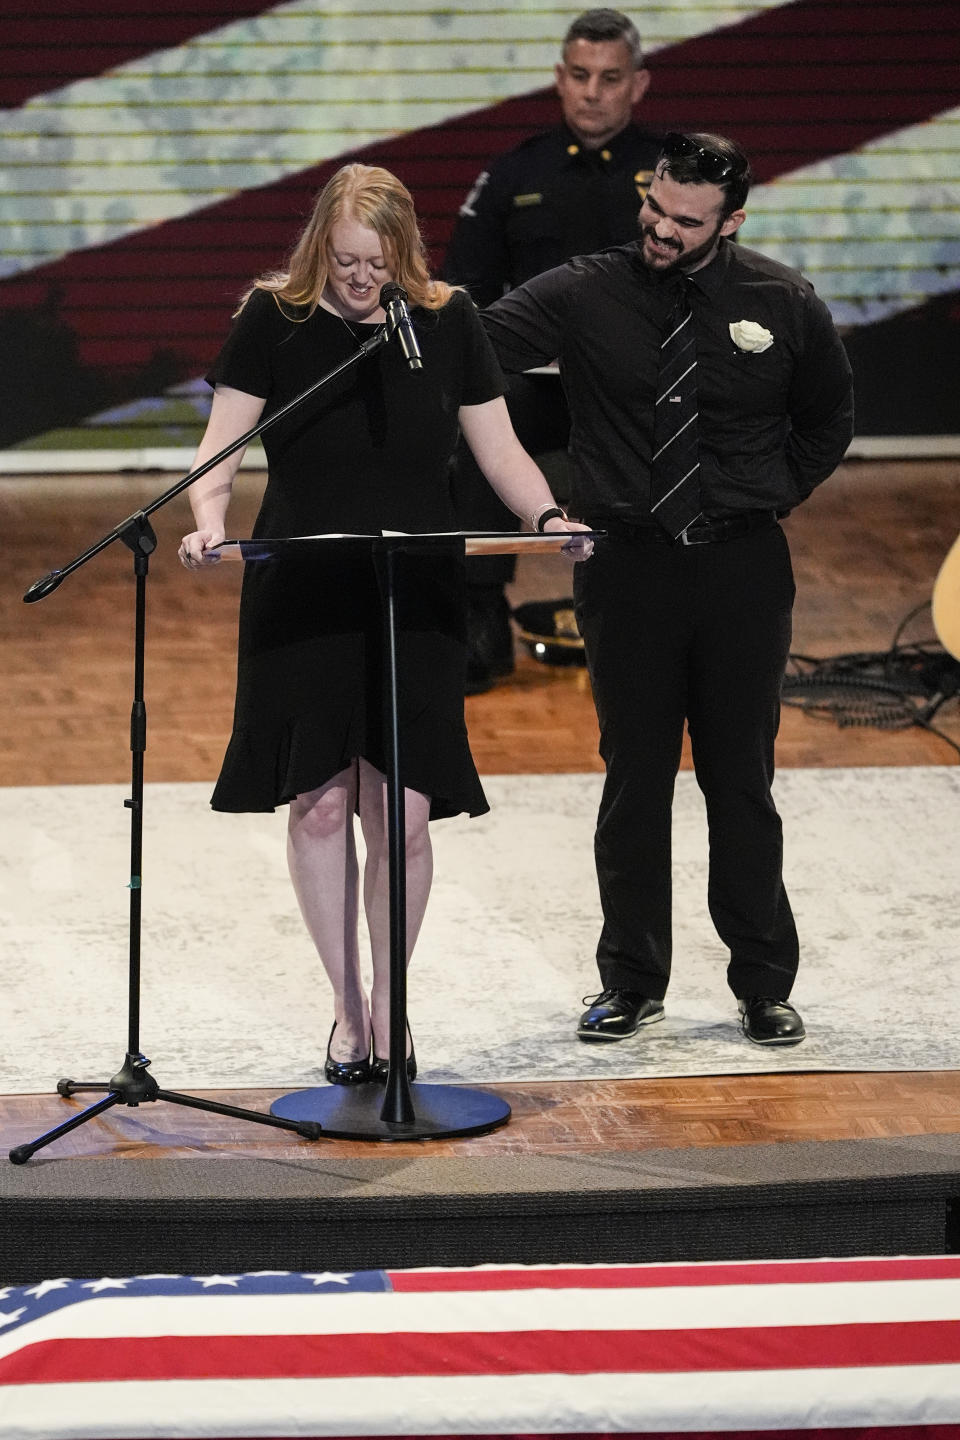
x: 571, y: 191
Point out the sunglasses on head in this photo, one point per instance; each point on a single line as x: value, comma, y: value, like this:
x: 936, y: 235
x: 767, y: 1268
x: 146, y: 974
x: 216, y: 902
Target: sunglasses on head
x: 710, y: 165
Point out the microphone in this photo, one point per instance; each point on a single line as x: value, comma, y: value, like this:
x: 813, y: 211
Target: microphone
x: 393, y: 302
x: 44, y: 586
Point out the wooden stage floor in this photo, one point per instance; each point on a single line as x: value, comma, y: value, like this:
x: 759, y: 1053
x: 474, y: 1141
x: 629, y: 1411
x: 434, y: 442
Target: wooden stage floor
x: 866, y: 549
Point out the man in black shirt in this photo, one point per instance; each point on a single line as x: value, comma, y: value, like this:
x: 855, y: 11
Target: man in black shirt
x: 692, y: 626
x: 566, y: 192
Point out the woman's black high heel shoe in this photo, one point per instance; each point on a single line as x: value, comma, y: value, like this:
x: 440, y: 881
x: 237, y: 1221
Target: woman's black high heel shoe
x: 346, y: 1072
x: 379, y: 1069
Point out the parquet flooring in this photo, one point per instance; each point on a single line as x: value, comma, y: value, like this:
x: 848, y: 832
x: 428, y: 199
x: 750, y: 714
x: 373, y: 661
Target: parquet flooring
x: 554, y: 1119
x: 866, y: 550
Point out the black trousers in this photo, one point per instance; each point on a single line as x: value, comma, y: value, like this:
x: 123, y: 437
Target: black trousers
x: 698, y: 634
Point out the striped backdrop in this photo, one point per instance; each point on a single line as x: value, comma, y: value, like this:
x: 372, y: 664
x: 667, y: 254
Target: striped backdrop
x: 155, y: 156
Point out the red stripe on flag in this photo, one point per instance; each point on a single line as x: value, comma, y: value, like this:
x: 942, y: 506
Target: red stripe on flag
x: 70, y: 40
x: 629, y: 1277
x: 495, y: 1353
x: 860, y: 1432
x: 799, y: 82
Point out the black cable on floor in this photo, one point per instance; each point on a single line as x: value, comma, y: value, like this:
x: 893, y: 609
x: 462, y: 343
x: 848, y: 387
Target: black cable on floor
x: 890, y: 689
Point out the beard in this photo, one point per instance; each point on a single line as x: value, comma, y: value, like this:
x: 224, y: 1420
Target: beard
x: 682, y: 259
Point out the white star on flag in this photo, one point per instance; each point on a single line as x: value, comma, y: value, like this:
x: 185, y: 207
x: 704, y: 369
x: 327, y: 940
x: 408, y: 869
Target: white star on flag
x: 38, y: 1291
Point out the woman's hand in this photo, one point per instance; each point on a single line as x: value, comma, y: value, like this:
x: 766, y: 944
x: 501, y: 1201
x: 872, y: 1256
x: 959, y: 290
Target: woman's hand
x: 577, y: 549
x: 195, y: 548
x: 232, y: 414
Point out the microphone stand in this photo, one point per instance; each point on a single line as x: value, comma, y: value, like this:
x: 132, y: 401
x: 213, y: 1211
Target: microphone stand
x: 132, y: 1085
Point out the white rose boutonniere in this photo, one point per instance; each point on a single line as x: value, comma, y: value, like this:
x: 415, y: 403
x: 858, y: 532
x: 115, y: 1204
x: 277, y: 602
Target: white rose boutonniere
x: 748, y: 335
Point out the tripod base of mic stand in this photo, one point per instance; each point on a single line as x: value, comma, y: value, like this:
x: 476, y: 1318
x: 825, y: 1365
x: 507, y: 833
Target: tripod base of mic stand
x: 354, y: 1112
x: 133, y: 1085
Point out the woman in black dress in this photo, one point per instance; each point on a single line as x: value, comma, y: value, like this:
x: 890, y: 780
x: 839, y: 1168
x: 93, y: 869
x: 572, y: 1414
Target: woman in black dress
x: 367, y: 453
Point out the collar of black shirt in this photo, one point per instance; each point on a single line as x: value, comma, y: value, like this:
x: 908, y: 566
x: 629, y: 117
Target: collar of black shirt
x: 709, y: 281
x: 713, y: 277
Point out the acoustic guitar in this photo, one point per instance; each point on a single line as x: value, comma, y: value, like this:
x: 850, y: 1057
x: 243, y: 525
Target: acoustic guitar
x: 945, y: 602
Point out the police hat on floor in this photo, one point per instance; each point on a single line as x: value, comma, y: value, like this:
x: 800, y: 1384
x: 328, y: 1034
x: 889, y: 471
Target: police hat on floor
x: 549, y: 630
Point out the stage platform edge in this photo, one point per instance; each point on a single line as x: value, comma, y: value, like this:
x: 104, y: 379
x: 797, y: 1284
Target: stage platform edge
x: 225, y: 1213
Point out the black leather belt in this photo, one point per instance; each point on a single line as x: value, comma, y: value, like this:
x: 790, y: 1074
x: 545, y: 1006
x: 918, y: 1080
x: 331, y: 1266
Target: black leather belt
x: 703, y: 532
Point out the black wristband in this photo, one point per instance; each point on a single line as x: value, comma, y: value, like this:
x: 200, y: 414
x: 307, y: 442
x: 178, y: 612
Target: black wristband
x: 555, y: 513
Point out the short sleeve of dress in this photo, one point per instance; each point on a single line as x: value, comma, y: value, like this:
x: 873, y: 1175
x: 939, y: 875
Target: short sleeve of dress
x: 482, y: 376
x: 245, y: 361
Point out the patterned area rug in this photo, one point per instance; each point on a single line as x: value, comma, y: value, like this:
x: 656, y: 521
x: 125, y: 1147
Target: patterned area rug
x: 232, y: 994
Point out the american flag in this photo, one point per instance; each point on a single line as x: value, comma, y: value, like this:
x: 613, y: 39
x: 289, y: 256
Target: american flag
x: 791, y: 1346
x: 155, y: 157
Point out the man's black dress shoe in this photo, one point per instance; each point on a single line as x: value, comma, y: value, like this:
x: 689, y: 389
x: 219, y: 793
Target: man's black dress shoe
x: 617, y: 1014
x: 770, y: 1022
x: 379, y: 1068
x: 345, y: 1072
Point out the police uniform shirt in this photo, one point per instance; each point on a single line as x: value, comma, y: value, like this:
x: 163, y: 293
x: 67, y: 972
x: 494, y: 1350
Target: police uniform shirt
x: 542, y: 203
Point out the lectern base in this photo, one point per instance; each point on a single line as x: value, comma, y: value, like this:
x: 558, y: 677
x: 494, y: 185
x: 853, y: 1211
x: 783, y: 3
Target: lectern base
x: 354, y: 1112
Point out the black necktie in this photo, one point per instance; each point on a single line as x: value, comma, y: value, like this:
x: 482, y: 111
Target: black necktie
x: 675, y: 464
